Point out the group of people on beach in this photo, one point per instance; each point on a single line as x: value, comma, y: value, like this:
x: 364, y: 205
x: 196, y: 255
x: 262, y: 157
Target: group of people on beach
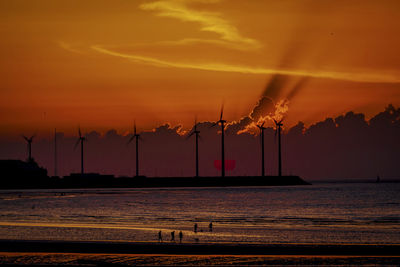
x: 195, y: 229
x: 172, y: 236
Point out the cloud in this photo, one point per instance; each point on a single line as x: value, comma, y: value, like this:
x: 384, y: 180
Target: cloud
x: 69, y: 47
x: 209, y: 21
x: 215, y: 66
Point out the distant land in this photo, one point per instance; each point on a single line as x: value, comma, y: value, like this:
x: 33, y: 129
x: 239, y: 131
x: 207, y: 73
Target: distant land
x: 17, y: 174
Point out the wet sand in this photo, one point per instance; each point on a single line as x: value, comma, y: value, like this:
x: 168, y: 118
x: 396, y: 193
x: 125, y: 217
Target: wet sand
x: 79, y: 259
x: 23, y: 252
x: 175, y: 248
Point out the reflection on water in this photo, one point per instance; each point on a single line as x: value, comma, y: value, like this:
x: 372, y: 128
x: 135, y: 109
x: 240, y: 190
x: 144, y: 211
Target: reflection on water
x: 332, y: 213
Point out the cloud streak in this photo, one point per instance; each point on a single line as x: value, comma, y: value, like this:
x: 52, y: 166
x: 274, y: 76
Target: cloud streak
x: 222, y: 67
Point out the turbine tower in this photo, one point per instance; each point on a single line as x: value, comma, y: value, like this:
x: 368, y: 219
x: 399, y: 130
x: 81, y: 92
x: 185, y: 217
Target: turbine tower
x: 29, y: 142
x: 137, y: 137
x: 278, y: 129
x: 81, y: 139
x: 262, y: 128
x: 222, y: 123
x: 55, y: 152
x: 196, y: 132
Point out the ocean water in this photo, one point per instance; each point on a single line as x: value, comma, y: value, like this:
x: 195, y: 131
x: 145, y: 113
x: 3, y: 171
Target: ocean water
x: 320, y: 213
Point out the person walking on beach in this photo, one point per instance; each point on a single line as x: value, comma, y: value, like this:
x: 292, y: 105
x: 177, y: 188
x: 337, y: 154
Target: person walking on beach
x: 195, y: 227
x: 172, y: 236
x: 159, y: 236
x: 180, y: 237
x: 210, y: 227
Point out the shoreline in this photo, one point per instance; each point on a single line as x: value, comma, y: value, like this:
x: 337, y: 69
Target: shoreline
x: 109, y: 181
x: 152, y: 248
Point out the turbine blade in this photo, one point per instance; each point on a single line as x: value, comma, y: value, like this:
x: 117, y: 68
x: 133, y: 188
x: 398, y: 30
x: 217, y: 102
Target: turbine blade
x: 77, y: 143
x: 214, y: 124
x: 79, y: 131
x: 134, y: 127
x: 130, y: 139
x: 263, y: 124
x: 222, y: 112
x: 189, y: 135
x: 26, y: 138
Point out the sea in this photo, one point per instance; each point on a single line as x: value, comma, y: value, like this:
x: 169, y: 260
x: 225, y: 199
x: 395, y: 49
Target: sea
x: 339, y: 213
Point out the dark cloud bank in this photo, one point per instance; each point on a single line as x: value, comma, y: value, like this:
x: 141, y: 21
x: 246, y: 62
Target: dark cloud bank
x: 337, y: 148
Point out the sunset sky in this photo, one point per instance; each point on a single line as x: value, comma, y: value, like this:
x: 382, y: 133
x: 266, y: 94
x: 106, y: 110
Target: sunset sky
x: 103, y: 63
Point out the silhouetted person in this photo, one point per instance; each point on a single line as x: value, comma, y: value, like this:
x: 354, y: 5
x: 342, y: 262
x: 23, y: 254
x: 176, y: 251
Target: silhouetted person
x: 210, y: 227
x: 195, y: 227
x: 159, y: 236
x: 180, y: 236
x: 172, y: 236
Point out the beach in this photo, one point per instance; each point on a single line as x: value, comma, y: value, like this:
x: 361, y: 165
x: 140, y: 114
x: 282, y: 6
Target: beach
x: 331, y: 224
x: 24, y: 252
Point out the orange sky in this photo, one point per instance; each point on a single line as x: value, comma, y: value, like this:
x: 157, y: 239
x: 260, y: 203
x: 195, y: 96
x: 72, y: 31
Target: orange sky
x: 103, y: 63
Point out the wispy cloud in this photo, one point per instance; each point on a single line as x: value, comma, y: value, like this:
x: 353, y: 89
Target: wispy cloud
x: 69, y: 47
x: 347, y: 76
x: 209, y: 21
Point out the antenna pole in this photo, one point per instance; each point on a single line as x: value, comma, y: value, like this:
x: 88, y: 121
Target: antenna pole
x: 55, y: 152
x: 81, y: 156
x: 222, y: 151
x: 137, y: 155
x: 262, y: 153
x: 197, y: 154
x: 279, y: 151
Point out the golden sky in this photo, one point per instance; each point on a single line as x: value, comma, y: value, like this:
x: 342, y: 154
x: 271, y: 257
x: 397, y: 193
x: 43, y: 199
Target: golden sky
x: 103, y: 63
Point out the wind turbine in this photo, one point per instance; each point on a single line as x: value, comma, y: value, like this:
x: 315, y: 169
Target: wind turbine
x: 29, y: 142
x: 81, y: 139
x: 222, y: 122
x: 196, y: 132
x: 262, y: 128
x: 55, y: 152
x: 278, y: 129
x: 137, y: 137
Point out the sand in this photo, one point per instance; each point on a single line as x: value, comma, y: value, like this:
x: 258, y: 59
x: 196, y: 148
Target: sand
x: 23, y: 252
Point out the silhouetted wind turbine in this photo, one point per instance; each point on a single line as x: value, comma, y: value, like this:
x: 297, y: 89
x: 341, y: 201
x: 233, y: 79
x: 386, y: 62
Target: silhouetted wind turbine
x: 222, y: 122
x: 81, y: 140
x: 55, y: 152
x: 29, y: 142
x: 196, y: 132
x: 137, y: 137
x: 262, y: 128
x: 278, y: 129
